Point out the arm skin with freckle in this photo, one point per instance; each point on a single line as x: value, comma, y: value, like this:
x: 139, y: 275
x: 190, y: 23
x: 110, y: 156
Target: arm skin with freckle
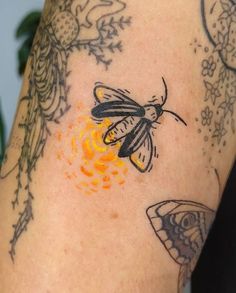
x: 122, y: 143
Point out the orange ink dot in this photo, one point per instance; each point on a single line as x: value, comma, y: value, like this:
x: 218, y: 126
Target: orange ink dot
x: 95, y: 182
x: 84, y: 184
x: 86, y: 172
x: 106, y: 186
x: 110, y: 156
x: 106, y: 179
x: 81, y: 134
x: 122, y: 182
x: 58, y: 135
x: 125, y: 171
x: 87, y: 150
x: 100, y: 167
x: 93, y: 190
x: 74, y: 145
x: 114, y: 173
x: 59, y: 157
x: 119, y: 163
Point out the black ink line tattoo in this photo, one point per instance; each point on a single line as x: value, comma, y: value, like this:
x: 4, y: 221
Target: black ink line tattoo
x: 219, y: 71
x: 66, y: 26
x: 182, y: 227
x: 134, y: 129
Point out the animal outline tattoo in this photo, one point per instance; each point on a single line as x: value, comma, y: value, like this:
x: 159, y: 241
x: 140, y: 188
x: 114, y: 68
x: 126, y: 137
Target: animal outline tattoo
x: 182, y: 227
x: 218, y: 69
x: 134, y: 129
x: 66, y: 26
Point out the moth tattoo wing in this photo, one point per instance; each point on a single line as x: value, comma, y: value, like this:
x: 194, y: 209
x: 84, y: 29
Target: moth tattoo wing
x: 182, y: 227
x: 120, y: 129
x: 142, y: 158
x: 134, y: 140
x: 114, y: 103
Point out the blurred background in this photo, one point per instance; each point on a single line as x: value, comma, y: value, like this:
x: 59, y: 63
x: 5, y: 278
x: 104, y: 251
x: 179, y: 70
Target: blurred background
x: 219, y: 255
x: 11, y: 14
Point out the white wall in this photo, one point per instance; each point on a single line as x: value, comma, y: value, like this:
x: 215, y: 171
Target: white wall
x: 11, y: 13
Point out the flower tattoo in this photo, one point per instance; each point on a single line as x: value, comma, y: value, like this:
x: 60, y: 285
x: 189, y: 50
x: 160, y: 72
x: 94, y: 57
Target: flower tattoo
x: 220, y: 130
x: 212, y: 91
x: 207, y: 115
x: 208, y: 67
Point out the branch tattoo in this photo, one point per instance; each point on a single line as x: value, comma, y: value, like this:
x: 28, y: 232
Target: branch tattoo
x: 219, y: 71
x: 182, y: 227
x: 67, y: 26
x: 135, y: 123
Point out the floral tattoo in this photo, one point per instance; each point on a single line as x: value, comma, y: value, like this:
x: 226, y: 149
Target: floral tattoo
x: 218, y: 69
x: 66, y: 26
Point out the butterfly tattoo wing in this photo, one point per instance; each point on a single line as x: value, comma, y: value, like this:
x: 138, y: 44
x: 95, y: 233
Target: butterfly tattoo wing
x: 182, y: 227
x: 114, y: 103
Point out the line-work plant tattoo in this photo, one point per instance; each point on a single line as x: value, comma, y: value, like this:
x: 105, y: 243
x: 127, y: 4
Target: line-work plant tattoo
x: 219, y: 71
x: 66, y: 26
x: 133, y: 125
x: 182, y: 227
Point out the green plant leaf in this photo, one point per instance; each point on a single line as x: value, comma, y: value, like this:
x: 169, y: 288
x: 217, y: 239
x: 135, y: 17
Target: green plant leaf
x: 23, y: 54
x: 26, y: 30
x: 29, y: 24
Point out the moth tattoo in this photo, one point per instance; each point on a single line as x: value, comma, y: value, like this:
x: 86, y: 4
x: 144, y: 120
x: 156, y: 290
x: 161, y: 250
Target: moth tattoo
x: 133, y: 125
x: 182, y: 227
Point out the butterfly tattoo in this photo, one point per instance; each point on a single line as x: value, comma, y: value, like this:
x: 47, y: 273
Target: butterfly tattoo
x: 182, y: 227
x: 133, y: 123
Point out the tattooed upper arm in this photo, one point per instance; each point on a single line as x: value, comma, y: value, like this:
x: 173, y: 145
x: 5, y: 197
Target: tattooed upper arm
x: 106, y: 130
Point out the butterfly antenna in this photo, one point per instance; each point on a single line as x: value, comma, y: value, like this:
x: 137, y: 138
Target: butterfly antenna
x: 166, y: 92
x: 176, y: 116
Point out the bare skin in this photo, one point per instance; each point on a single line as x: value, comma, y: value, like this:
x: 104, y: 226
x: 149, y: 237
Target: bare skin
x: 76, y: 202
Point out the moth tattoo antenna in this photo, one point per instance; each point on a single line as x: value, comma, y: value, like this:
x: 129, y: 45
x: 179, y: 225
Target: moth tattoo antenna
x: 182, y: 227
x: 133, y: 128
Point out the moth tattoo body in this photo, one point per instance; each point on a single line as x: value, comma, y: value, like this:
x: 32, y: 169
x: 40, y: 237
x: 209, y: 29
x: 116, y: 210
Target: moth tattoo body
x: 134, y: 125
x: 66, y: 26
x: 182, y: 227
